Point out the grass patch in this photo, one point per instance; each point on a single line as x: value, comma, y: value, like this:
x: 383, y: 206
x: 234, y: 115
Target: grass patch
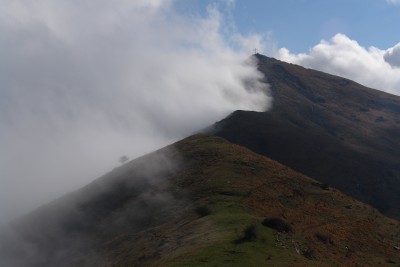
x: 244, y: 242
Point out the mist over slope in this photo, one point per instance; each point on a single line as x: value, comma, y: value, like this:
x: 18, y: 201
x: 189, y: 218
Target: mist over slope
x: 72, y: 230
x: 199, y: 202
x: 85, y: 82
x: 329, y: 128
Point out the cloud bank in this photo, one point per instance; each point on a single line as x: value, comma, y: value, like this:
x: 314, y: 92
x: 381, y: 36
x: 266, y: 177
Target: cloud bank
x: 372, y: 67
x: 84, y: 82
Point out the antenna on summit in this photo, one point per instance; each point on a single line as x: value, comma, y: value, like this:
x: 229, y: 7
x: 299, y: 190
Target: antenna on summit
x: 255, y: 51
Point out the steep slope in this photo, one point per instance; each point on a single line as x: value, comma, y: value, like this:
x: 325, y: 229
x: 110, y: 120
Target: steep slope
x: 203, y: 202
x: 329, y: 128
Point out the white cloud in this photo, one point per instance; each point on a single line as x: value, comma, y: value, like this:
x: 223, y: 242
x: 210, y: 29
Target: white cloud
x: 83, y: 82
x: 392, y: 55
x: 342, y: 56
x: 230, y: 3
x: 393, y: 2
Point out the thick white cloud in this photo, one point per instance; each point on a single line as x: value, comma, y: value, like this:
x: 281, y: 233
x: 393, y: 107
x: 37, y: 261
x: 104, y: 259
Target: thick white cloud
x: 342, y: 56
x: 392, y: 55
x: 83, y: 82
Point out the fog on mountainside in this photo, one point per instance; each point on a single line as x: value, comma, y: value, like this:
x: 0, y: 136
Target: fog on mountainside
x: 72, y: 230
x: 85, y: 82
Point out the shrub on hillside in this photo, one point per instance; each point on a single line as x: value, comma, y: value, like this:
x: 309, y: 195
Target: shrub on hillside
x: 203, y: 211
x: 249, y: 234
x: 277, y: 224
x: 309, y: 254
x: 324, y: 186
x: 322, y: 237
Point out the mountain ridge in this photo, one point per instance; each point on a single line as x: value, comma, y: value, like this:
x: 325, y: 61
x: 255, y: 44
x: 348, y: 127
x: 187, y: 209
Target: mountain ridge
x: 329, y: 128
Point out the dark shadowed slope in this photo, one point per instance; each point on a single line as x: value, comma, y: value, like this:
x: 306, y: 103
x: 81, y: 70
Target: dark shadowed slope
x: 329, y: 128
x: 203, y: 202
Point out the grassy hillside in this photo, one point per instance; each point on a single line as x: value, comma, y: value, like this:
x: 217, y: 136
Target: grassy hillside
x: 317, y: 225
x: 204, y: 202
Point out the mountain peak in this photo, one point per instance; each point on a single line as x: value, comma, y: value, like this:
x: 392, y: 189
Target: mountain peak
x: 329, y: 128
x: 264, y: 57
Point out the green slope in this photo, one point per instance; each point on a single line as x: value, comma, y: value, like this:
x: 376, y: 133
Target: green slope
x: 202, y: 202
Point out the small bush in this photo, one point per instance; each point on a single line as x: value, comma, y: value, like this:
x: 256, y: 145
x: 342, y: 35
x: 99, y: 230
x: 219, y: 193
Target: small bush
x: 203, y: 211
x: 324, y: 186
x: 309, y: 254
x: 390, y: 261
x: 297, y: 192
x: 322, y: 237
x: 349, y: 252
x: 250, y: 234
x: 277, y: 224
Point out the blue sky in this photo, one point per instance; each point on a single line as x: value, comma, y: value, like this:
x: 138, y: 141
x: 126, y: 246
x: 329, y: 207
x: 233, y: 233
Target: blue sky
x: 300, y: 24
